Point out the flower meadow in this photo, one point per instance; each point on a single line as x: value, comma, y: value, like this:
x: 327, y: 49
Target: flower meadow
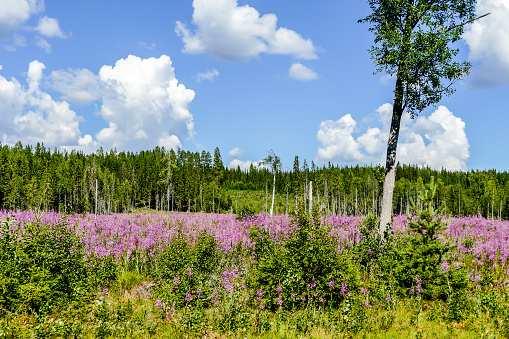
x: 220, y: 275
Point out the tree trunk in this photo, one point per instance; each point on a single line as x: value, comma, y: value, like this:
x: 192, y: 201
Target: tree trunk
x: 390, y: 165
x: 310, y: 198
x: 273, y: 195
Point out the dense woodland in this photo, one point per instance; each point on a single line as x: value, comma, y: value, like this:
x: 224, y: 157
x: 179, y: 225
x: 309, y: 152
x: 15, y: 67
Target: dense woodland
x: 110, y: 182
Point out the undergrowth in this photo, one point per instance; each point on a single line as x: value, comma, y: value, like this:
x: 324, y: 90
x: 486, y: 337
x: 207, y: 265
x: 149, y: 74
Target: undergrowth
x: 399, y: 285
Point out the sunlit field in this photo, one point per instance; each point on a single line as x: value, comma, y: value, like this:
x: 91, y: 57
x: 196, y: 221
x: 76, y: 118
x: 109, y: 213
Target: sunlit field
x: 221, y: 276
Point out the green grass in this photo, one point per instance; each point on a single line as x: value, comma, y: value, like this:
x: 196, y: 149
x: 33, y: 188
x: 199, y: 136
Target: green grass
x: 124, y: 314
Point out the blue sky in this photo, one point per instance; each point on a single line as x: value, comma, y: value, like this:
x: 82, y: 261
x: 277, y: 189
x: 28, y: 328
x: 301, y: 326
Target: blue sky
x: 245, y: 76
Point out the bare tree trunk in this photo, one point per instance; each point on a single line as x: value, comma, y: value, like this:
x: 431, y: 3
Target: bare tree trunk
x: 273, y: 195
x: 96, y: 196
x: 310, y: 197
x: 286, y: 211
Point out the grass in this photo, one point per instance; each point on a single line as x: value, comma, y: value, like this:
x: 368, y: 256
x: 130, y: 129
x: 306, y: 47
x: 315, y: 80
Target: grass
x: 125, y: 312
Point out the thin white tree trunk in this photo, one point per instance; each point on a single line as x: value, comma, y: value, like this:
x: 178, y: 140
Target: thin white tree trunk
x: 273, y: 195
x: 310, y: 197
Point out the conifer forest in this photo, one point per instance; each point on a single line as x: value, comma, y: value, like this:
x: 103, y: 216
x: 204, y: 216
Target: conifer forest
x: 161, y: 180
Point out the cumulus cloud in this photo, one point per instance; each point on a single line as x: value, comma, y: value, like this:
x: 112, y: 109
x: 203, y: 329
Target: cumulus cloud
x: 140, y: 100
x: 144, y: 104
x: 231, y: 32
x: 79, y: 86
x: 245, y: 165
x: 337, y: 142
x: 488, y: 40
x: 436, y: 141
x: 31, y: 115
x: 236, y: 153
x: 208, y: 75
x: 50, y: 27
x: 300, y: 72
x: 14, y: 13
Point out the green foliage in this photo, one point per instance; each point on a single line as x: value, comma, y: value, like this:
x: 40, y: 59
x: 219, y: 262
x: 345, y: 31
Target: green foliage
x: 305, y: 270
x: 159, y: 179
x: 41, y: 268
x: 415, y: 261
x: 412, y: 41
x: 184, y: 268
x: 373, y: 247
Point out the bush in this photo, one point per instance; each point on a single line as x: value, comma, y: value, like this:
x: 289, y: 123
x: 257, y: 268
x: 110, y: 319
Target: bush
x: 304, y: 270
x: 41, y: 268
x: 183, y: 269
x: 416, y: 261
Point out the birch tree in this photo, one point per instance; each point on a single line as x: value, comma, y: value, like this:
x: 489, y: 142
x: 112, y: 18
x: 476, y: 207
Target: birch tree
x: 275, y: 163
x: 413, y: 43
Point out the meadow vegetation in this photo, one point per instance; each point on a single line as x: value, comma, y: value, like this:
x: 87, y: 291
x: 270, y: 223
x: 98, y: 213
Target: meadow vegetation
x: 186, y: 275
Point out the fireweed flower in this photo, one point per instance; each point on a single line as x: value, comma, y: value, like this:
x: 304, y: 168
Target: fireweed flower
x: 189, y: 272
x: 331, y: 283
x: 312, y: 285
x: 188, y: 297
x: 279, y: 289
x: 344, y: 289
x: 364, y: 290
x: 159, y: 304
x: 280, y: 301
x: 199, y: 291
x: 176, y: 280
x: 388, y: 298
x: 445, y: 267
x: 292, y: 296
x: 259, y: 293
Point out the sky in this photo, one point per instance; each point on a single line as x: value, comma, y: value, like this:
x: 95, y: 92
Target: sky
x: 294, y: 77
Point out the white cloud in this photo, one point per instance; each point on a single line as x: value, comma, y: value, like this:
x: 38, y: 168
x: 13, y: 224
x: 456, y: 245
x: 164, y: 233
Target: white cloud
x: 77, y: 86
x: 488, y: 39
x: 147, y: 45
x: 14, y: 13
x: 208, y: 75
x: 337, y: 142
x: 50, y: 27
x: 144, y: 105
x: 436, y: 141
x: 42, y: 43
x: 300, y: 72
x: 31, y: 115
x: 236, y: 153
x: 18, y: 40
x: 231, y: 32
x: 170, y: 142
x: 245, y: 165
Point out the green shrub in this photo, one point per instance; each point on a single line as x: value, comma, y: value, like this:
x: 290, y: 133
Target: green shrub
x: 41, y: 268
x: 415, y: 262
x: 304, y: 270
x: 183, y: 269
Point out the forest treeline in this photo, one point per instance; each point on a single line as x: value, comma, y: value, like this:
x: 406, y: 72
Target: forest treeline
x: 113, y: 182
